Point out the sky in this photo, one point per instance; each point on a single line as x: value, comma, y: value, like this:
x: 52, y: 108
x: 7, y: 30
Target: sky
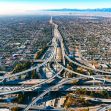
x: 24, y: 6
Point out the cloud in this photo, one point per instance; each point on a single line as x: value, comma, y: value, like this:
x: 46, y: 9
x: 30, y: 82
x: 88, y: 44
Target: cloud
x: 15, y: 8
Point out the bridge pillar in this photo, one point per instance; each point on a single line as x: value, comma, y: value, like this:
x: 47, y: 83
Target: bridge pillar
x: 93, y: 83
x: 4, y: 81
x: 23, y: 92
x: 37, y: 72
x: 49, y: 93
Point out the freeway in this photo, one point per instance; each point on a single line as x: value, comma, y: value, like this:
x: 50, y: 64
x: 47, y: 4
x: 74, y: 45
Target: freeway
x: 13, y: 88
x: 32, y: 87
x: 35, y: 107
x: 100, y: 100
x: 95, y: 76
x: 90, y: 88
x: 52, y: 70
x: 106, y: 108
x: 86, y: 67
x: 86, y: 76
x: 56, y: 87
x: 3, y: 72
x: 72, y: 88
x: 59, y: 37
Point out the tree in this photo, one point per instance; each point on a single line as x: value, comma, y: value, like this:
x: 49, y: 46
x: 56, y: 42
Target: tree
x: 33, y: 76
x: 22, y: 66
x: 92, y: 94
x: 14, y: 109
x: 81, y: 91
x: 105, y: 94
x: 69, y: 102
x: 20, y: 98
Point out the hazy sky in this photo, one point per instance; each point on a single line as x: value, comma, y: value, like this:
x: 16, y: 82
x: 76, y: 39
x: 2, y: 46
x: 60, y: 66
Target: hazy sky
x: 23, y: 6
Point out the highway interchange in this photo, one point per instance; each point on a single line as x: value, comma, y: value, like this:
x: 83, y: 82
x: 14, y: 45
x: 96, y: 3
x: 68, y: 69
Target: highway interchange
x: 61, y: 66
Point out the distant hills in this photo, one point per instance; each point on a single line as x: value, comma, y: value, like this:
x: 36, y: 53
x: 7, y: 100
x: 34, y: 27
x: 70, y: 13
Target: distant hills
x: 83, y: 10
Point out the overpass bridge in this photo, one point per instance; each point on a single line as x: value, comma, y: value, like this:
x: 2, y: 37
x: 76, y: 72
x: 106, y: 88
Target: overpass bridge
x: 41, y: 61
x: 61, y: 88
x: 22, y: 106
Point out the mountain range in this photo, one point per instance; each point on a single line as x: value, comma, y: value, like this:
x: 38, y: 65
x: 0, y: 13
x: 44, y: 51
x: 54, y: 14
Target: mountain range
x: 83, y: 10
